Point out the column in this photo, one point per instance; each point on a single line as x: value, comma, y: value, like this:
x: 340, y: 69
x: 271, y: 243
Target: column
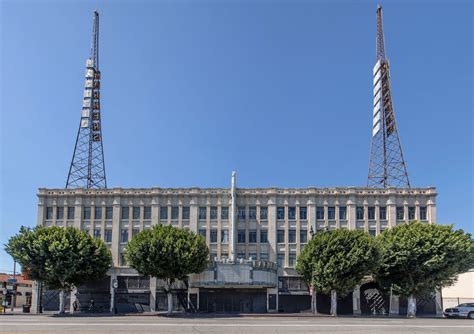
x: 351, y: 213
x: 35, y: 298
x: 391, y: 212
x: 272, y: 230
x: 233, y: 220
x: 394, y: 305
x: 152, y: 294
x: 439, y: 303
x: 116, y: 231
x: 356, y: 301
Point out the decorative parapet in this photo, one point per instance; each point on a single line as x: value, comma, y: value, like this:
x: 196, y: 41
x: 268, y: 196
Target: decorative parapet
x: 240, y: 191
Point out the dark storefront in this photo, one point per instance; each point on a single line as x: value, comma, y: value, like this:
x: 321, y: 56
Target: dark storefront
x: 133, y: 294
x: 233, y: 300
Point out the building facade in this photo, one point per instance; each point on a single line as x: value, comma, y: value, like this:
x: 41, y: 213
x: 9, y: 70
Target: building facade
x: 254, y: 236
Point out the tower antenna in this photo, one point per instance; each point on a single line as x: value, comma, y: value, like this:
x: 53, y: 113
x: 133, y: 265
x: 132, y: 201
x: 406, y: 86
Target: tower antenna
x: 387, y: 167
x: 87, y: 169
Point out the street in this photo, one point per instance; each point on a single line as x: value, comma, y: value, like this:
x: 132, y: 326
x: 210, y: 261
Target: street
x: 227, y: 324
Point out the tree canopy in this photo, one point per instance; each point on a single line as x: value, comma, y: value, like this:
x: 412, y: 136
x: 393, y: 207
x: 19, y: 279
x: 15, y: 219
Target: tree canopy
x: 337, y: 260
x: 59, y: 257
x: 418, y: 258
x: 166, y: 252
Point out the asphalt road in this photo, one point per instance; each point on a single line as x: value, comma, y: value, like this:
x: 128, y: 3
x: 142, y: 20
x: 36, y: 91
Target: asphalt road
x: 228, y: 325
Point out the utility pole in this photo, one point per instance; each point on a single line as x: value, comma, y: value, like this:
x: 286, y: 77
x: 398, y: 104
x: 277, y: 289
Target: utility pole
x: 14, y: 285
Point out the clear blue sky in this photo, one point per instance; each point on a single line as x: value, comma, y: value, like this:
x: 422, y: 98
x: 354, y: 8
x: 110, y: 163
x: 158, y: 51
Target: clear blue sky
x: 280, y: 91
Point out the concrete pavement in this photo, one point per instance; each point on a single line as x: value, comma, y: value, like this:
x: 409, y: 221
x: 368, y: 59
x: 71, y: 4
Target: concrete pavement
x: 227, y: 324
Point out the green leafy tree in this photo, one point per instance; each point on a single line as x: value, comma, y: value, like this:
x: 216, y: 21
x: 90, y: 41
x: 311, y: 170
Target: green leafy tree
x: 60, y: 258
x: 417, y: 259
x: 167, y: 253
x: 334, y: 262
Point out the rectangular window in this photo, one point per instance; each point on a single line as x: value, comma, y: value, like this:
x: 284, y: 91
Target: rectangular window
x: 291, y: 213
x: 213, y: 235
x: 241, y: 255
x: 225, y: 213
x: 241, y: 236
x: 185, y: 212
x: 174, y: 212
x: 225, y: 236
x: 97, y: 213
x: 320, y: 213
x: 60, y: 213
x: 342, y: 213
x: 383, y: 213
x: 163, y: 213
x: 125, y: 212
x: 281, y: 236
x: 147, y: 212
x: 86, y: 214
x: 359, y: 213
x: 241, y: 212
x: 123, y: 260
x: 70, y: 212
x: 263, y: 213
x: 252, y: 213
x: 264, y: 256
x: 280, y: 213
x: 135, y: 231
x: 303, y: 213
x: 263, y: 236
x: 422, y: 212
x: 280, y: 260
x: 303, y: 236
x: 124, y: 235
x: 49, y: 212
x: 252, y: 256
x: 372, y: 232
x: 202, y: 233
x: 331, y: 213
x: 400, y: 213
x: 371, y: 212
x: 136, y: 212
x: 213, y: 212
x: 202, y: 212
x: 411, y: 212
x: 109, y: 212
x: 97, y: 233
x: 291, y: 236
x: 252, y: 236
x: 291, y: 259
x: 108, y: 236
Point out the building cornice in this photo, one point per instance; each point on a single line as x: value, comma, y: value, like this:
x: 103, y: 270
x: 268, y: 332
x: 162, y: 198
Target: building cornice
x: 338, y: 191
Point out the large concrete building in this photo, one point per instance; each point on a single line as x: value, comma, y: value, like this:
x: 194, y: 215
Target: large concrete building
x: 254, y: 236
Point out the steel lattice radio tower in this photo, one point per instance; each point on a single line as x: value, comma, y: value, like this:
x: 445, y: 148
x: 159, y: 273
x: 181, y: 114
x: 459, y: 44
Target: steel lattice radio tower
x: 387, y: 167
x: 87, y: 168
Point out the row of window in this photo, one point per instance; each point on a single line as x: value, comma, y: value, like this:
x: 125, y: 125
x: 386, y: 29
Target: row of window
x: 292, y: 236
x: 242, y: 213
x: 281, y: 259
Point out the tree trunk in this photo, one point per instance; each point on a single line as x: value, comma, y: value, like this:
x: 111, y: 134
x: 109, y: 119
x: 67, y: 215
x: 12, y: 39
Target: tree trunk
x: 314, y: 305
x: 170, y: 302
x: 333, y: 303
x: 411, y: 311
x: 62, y: 299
